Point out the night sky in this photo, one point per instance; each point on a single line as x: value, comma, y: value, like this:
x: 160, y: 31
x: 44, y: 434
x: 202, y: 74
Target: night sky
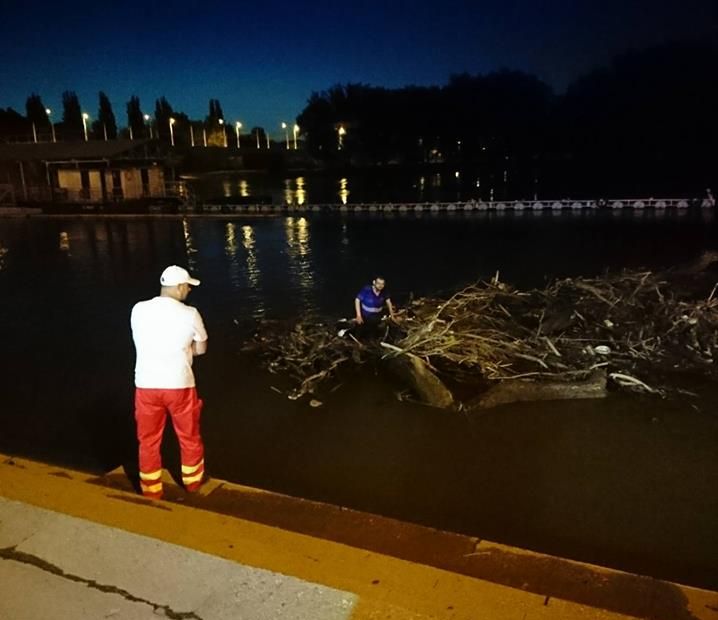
x: 262, y: 60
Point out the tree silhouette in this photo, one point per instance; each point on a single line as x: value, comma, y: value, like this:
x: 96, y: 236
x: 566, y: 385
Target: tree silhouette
x: 135, y: 119
x: 105, y: 123
x: 13, y: 125
x: 72, y: 116
x: 163, y: 113
x: 259, y: 137
x: 36, y: 112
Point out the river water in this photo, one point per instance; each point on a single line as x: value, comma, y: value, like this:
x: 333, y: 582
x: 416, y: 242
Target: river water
x: 628, y: 481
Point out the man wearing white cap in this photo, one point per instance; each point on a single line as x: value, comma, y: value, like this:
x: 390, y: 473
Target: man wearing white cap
x: 167, y: 335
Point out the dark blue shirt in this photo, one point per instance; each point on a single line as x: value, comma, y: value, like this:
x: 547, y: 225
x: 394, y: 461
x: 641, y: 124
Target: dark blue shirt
x: 371, y: 303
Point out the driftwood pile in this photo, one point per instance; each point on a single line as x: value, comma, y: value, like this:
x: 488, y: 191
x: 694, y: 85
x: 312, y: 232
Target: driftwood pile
x: 563, y: 341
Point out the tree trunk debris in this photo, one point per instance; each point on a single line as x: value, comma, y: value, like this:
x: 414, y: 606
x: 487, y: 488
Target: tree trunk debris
x: 565, y: 341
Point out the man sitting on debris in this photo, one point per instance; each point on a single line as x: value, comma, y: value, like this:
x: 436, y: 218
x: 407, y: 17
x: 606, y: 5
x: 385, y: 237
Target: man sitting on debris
x: 369, y: 306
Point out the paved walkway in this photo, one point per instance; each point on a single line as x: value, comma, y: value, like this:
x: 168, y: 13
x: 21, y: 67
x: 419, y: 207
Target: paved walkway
x: 73, y: 548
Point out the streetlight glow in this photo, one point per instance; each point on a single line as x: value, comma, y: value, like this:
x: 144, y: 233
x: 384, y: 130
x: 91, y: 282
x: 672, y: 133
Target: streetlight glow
x: 85, y: 116
x: 48, y: 111
x: 172, y: 121
x: 341, y: 132
x: 238, y: 126
x: 149, y: 124
x: 224, y: 132
x: 286, y: 134
x: 295, y: 131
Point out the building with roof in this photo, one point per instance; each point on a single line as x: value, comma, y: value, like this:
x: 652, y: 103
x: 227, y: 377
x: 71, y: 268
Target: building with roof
x: 92, y: 172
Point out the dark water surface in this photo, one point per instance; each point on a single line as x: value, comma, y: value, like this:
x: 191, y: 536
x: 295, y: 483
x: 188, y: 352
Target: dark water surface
x: 629, y: 481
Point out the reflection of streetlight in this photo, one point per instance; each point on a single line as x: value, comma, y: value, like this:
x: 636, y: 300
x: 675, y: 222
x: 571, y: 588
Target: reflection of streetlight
x: 85, y: 116
x: 295, y: 131
x: 224, y: 132
x: 238, y: 126
x: 149, y: 124
x: 172, y: 131
x: 48, y: 111
x: 341, y: 132
x: 286, y: 134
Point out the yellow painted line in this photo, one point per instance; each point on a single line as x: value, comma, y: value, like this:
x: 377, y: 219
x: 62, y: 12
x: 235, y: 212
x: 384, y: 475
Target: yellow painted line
x: 388, y: 587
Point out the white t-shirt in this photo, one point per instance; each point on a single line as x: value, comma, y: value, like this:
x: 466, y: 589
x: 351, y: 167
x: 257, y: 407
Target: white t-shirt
x: 163, y: 330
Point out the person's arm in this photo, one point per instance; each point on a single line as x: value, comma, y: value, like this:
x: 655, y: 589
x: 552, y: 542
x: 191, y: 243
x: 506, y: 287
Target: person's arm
x: 199, y: 342
x: 357, y: 308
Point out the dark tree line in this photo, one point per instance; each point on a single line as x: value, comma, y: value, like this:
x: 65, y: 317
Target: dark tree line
x: 103, y: 125
x: 661, y: 99
x: 648, y: 113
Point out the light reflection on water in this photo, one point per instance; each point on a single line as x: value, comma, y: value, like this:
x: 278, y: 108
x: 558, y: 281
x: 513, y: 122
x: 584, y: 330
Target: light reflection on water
x: 313, y: 263
x: 190, y: 248
x: 301, y: 270
x: 343, y: 190
x: 301, y: 194
x: 326, y: 188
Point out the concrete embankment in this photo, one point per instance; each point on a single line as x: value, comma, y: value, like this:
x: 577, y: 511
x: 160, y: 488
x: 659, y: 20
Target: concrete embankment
x: 77, y: 545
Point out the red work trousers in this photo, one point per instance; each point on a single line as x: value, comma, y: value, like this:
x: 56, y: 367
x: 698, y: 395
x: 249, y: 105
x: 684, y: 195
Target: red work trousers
x: 151, y: 409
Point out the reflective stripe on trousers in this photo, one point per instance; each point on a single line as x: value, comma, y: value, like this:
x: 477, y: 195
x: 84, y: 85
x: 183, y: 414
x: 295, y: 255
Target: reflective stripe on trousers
x: 151, y: 409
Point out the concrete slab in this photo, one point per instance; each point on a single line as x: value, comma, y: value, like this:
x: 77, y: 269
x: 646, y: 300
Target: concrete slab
x: 30, y: 593
x: 157, y: 574
x: 382, y: 586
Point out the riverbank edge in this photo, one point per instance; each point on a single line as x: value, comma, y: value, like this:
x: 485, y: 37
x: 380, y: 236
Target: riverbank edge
x: 388, y: 563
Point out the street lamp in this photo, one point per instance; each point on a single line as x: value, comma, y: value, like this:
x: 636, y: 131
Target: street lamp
x: 85, y: 116
x: 341, y: 133
x: 238, y: 126
x: 224, y: 132
x: 48, y: 111
x: 149, y: 123
x: 286, y: 134
x: 172, y: 131
x: 295, y: 131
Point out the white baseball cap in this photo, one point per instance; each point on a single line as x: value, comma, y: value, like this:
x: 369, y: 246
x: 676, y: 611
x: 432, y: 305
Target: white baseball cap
x: 174, y: 275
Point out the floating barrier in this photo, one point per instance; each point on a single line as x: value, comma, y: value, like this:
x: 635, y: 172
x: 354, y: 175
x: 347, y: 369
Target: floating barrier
x: 555, y: 206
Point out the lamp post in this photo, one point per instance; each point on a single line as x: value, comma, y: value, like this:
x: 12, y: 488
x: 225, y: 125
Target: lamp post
x: 341, y: 132
x: 295, y: 131
x: 149, y: 124
x: 257, y: 138
x: 48, y: 111
x: 172, y: 121
x: 224, y: 132
x: 238, y: 126
x: 34, y: 132
x: 286, y: 134
x: 85, y: 116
